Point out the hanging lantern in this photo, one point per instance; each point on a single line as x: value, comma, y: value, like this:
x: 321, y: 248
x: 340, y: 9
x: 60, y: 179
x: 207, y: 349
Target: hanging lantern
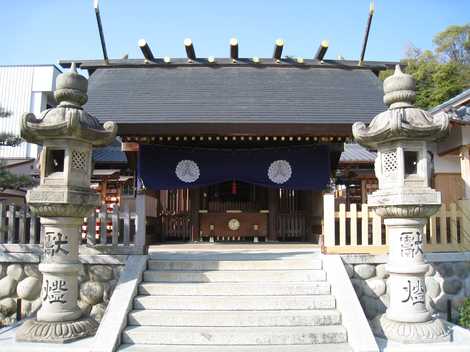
x: 234, y: 187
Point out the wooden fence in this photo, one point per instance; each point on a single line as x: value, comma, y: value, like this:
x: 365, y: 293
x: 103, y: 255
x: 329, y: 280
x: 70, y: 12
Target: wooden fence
x: 176, y: 227
x: 18, y: 225
x: 291, y: 226
x: 111, y: 231
x: 359, y: 230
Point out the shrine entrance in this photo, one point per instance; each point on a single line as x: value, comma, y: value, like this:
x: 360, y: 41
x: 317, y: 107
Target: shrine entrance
x: 230, y: 192
x: 236, y: 211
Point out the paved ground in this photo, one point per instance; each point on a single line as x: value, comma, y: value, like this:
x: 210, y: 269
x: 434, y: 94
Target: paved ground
x: 185, y: 247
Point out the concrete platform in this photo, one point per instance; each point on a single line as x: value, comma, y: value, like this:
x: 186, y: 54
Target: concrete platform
x: 218, y: 246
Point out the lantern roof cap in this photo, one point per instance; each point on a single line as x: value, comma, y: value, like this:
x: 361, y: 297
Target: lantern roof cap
x: 68, y: 120
x: 402, y: 120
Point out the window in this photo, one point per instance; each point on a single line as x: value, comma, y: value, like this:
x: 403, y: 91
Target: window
x: 411, y: 162
x: 55, y: 161
x: 389, y: 162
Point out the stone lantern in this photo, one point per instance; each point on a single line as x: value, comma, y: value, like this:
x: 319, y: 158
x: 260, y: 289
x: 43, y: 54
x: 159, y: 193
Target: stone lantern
x: 62, y: 199
x: 405, y: 201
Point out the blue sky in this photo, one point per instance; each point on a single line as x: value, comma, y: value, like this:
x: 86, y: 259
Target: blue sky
x: 42, y: 32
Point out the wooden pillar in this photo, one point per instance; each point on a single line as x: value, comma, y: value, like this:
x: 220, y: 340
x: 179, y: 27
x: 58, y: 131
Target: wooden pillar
x: 363, y: 191
x: 195, y: 205
x: 104, y: 190
x: 273, y: 206
x: 308, y: 211
x: 465, y: 170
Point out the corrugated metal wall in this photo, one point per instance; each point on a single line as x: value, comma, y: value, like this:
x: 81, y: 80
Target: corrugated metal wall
x: 15, y: 96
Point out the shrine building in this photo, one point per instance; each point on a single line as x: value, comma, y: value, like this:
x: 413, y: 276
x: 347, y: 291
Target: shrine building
x: 233, y: 149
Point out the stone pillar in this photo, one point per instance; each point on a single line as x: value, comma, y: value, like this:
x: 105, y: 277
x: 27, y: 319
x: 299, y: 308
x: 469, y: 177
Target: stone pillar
x: 407, y: 268
x: 60, y: 267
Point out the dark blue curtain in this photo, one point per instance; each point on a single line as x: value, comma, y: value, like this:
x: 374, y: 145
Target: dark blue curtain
x: 302, y: 167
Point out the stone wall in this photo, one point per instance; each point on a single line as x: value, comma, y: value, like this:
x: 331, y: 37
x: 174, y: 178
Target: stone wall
x: 24, y: 280
x: 447, y: 279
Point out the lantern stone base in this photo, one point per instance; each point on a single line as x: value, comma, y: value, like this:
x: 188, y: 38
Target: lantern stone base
x: 434, y: 330
x: 56, y: 332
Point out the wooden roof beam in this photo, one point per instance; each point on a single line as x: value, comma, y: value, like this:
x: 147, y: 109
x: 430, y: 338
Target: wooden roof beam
x: 146, y: 51
x: 322, y: 49
x: 278, y: 46
x: 234, y: 49
x: 190, y: 52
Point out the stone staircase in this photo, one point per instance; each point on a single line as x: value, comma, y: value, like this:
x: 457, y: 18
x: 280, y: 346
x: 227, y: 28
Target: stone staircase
x: 234, y: 302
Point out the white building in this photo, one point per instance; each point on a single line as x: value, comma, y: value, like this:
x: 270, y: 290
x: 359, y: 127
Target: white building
x: 24, y: 88
x: 451, y: 156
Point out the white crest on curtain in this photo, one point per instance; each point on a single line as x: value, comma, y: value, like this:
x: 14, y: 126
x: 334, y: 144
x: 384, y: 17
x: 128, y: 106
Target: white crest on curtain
x: 187, y: 171
x: 279, y: 171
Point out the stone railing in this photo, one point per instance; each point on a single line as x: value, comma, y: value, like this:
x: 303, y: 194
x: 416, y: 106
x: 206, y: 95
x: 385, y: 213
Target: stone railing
x: 359, y: 230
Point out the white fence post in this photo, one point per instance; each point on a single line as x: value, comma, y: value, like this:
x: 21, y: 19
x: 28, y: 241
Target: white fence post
x: 329, y: 220
x: 141, y: 221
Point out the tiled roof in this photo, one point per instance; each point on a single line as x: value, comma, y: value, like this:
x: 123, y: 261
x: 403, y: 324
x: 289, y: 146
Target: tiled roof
x: 110, y: 154
x: 234, y: 94
x: 354, y: 153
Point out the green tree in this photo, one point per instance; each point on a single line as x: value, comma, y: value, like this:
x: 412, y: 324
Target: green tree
x: 12, y: 181
x: 8, y: 139
x: 453, y: 43
x: 464, y: 313
x: 442, y: 74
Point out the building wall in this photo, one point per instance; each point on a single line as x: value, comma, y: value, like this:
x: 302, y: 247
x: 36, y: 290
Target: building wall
x: 449, y: 163
x: 450, y: 185
x: 23, y: 89
x: 447, y: 178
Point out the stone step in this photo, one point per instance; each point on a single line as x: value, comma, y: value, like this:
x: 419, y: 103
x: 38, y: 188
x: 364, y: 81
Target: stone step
x: 337, y: 347
x: 235, y: 288
x: 234, y: 318
x: 234, y: 335
x: 237, y: 255
x: 207, y: 265
x: 235, y: 302
x: 234, y: 276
